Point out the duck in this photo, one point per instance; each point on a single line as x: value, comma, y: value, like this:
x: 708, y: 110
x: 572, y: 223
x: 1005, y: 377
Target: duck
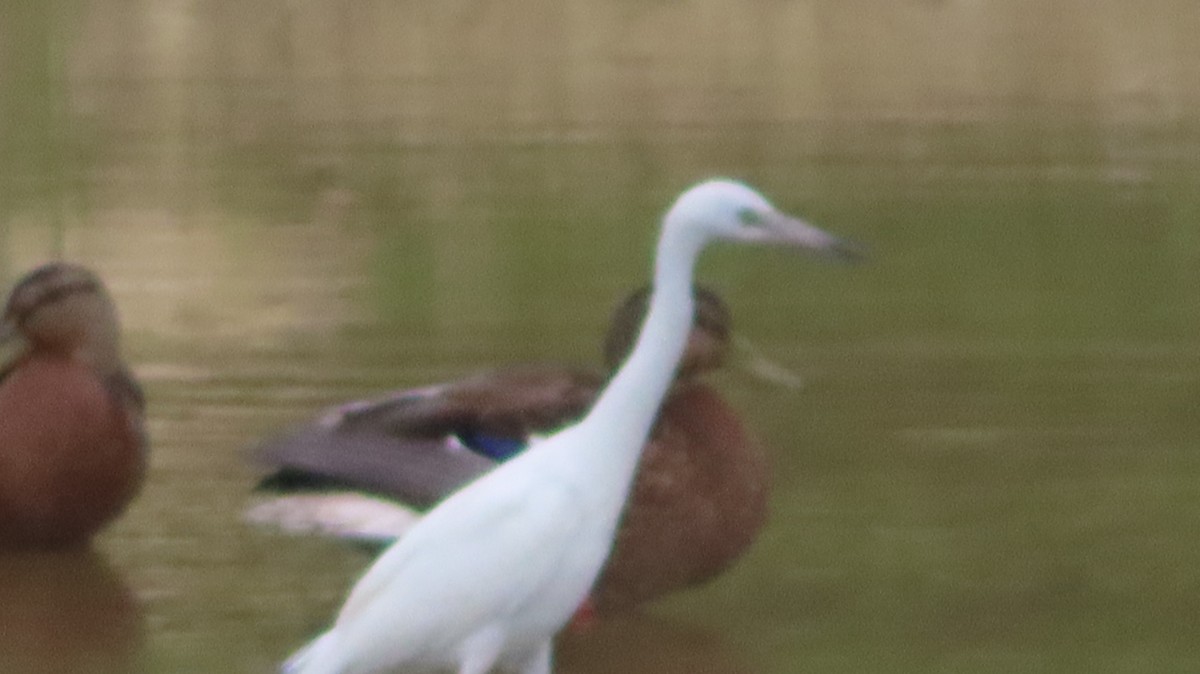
x: 72, y: 434
x: 489, y: 576
x: 366, y: 470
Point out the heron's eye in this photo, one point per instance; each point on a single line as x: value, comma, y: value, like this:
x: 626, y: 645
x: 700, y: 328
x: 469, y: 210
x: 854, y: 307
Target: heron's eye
x: 750, y: 217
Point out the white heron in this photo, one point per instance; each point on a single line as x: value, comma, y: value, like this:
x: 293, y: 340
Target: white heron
x: 488, y: 577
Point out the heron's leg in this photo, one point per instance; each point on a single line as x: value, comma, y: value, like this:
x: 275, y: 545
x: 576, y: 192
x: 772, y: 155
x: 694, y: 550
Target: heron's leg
x: 540, y: 660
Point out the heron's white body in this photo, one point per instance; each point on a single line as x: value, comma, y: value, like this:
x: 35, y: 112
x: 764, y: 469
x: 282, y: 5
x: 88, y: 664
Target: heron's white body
x: 488, y: 577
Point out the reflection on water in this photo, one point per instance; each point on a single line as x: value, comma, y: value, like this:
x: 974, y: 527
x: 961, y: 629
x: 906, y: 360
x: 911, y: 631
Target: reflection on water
x: 645, y: 643
x: 991, y: 465
x: 66, y: 612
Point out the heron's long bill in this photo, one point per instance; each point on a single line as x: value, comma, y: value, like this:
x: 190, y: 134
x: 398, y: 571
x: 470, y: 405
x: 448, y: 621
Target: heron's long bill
x: 783, y: 228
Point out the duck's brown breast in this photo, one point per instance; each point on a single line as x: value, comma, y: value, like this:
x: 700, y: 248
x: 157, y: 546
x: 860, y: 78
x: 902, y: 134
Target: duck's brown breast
x: 698, y: 502
x: 70, y: 454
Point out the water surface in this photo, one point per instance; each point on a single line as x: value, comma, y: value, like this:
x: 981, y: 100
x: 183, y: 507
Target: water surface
x: 991, y: 466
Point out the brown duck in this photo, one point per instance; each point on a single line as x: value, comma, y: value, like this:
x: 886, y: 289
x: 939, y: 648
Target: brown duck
x: 698, y: 502
x: 72, y: 447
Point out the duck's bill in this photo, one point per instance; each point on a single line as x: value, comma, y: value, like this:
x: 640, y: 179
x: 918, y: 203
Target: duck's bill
x: 783, y: 229
x: 762, y: 368
x: 12, y: 345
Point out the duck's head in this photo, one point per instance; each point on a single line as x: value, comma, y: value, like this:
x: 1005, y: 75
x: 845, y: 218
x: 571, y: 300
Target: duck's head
x: 708, y: 343
x: 62, y: 308
x: 729, y: 210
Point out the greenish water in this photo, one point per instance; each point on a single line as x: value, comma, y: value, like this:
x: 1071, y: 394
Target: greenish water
x: 992, y: 466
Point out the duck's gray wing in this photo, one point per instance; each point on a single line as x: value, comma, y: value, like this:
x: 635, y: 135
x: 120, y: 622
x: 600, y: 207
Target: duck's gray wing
x: 406, y: 446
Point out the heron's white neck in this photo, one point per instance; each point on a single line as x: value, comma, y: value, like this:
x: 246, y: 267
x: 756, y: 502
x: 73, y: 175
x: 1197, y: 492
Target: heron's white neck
x: 626, y: 409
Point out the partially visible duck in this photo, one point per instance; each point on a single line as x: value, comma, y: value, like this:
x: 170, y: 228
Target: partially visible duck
x: 698, y: 502
x: 72, y: 445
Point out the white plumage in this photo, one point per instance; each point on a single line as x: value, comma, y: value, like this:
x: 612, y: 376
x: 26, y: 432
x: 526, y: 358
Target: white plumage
x: 488, y: 577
